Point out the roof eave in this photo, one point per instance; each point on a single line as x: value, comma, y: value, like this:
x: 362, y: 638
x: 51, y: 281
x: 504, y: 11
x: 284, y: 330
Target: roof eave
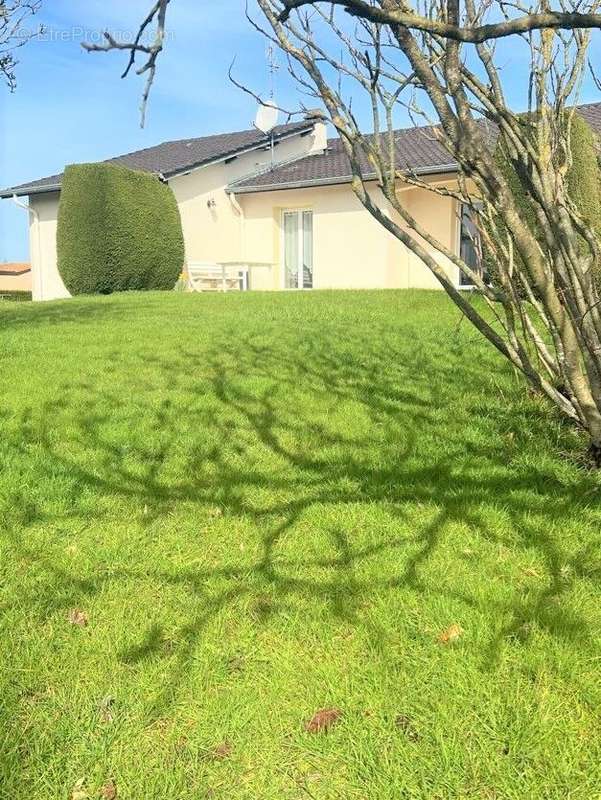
x: 15, y: 273
x: 25, y: 191
x: 235, y: 153
x: 440, y: 169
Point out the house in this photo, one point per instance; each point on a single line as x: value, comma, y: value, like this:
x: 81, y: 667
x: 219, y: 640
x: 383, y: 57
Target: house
x: 15, y: 278
x: 283, y: 205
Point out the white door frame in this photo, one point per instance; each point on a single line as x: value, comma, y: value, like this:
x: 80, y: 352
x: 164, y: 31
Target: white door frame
x: 300, y: 243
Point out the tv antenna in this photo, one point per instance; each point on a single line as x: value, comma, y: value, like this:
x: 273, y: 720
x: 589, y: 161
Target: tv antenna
x: 273, y: 67
x: 268, y: 112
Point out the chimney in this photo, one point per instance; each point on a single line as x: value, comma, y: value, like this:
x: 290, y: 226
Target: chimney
x: 320, y: 130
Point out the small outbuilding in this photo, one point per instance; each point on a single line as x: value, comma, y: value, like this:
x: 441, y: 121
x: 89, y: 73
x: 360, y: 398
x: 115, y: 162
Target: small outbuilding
x: 15, y: 278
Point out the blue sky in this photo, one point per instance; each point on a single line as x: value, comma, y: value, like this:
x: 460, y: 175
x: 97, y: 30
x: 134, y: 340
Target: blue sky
x: 71, y: 106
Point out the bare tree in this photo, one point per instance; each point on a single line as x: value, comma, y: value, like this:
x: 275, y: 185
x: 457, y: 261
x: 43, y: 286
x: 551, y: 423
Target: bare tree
x: 544, y: 313
x: 13, y: 35
x: 440, y: 60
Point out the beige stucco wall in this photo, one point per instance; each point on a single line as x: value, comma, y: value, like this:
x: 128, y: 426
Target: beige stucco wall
x: 16, y: 283
x: 47, y: 283
x: 215, y: 232
x: 351, y: 249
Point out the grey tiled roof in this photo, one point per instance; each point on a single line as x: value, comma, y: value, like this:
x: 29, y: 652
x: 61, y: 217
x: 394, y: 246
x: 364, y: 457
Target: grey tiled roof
x: 171, y: 158
x: 591, y: 113
x: 417, y: 150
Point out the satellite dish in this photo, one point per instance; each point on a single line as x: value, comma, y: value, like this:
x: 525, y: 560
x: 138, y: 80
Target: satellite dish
x: 267, y: 116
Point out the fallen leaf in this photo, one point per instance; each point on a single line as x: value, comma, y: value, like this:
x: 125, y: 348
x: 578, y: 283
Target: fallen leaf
x: 323, y: 720
x: 78, y: 617
x: 223, y: 750
x: 404, y: 724
x: 105, y: 706
x: 530, y: 572
x: 452, y: 634
x: 78, y: 792
x: 235, y: 663
x: 109, y: 790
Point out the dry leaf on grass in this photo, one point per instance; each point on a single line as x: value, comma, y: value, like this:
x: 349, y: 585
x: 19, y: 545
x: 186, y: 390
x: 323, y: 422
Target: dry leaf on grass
x: 451, y: 635
x: 105, y: 707
x: 222, y: 751
x: 78, y: 792
x: 323, y: 720
x: 530, y: 572
x: 109, y: 790
x: 78, y: 617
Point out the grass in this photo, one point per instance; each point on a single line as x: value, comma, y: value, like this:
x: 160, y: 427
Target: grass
x: 270, y: 504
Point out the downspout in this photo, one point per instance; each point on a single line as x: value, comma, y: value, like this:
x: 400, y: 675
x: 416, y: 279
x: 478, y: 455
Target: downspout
x: 240, y: 211
x: 36, y: 216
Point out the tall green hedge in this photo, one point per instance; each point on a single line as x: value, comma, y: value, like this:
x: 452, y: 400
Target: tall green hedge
x: 118, y: 229
x: 583, y: 183
x: 584, y: 176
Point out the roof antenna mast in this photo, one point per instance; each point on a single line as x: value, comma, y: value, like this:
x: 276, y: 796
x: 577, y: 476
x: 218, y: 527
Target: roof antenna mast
x: 273, y: 65
x: 267, y: 113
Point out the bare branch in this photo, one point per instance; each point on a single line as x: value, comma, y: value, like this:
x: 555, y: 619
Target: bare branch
x: 551, y: 20
x: 13, y: 35
x: 157, y: 14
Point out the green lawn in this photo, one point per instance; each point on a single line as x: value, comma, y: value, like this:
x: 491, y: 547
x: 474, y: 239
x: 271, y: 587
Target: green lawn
x: 265, y: 505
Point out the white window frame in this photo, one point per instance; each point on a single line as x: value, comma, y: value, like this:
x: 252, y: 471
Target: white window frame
x: 300, y: 237
x: 463, y: 287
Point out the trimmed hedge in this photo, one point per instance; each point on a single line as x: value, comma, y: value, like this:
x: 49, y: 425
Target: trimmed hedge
x: 118, y: 229
x: 583, y: 182
x: 584, y: 176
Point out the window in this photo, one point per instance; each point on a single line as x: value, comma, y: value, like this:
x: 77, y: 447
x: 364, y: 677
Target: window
x: 470, y: 247
x: 298, y: 249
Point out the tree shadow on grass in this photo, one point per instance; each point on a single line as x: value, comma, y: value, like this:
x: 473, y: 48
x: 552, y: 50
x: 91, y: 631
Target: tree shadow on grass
x: 267, y: 432
x: 61, y: 313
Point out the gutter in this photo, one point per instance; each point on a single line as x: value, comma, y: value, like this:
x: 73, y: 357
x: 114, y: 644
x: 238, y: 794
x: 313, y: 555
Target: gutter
x: 441, y: 169
x: 240, y: 212
x: 25, y: 191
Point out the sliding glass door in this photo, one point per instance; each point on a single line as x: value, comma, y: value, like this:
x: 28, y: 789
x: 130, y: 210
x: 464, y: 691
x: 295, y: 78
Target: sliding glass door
x: 298, y: 249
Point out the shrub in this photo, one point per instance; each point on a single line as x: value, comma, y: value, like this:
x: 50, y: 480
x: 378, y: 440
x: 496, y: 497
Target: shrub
x: 16, y: 295
x: 583, y: 182
x: 118, y: 229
